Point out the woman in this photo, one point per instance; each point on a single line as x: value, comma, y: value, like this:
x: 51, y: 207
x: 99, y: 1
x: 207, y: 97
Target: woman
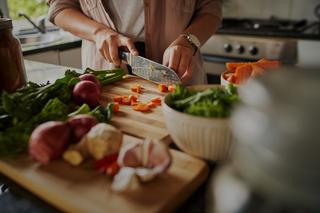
x: 172, y: 30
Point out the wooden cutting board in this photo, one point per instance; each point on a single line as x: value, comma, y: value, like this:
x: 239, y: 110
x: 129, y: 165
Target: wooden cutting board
x: 138, y: 124
x: 76, y: 189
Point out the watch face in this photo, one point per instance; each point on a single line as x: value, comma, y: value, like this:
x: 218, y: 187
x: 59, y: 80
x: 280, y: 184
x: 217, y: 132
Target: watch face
x: 195, y: 40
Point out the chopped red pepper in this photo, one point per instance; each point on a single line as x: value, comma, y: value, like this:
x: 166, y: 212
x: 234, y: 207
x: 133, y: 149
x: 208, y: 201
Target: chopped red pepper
x: 163, y: 88
x: 102, y: 164
x: 113, y: 169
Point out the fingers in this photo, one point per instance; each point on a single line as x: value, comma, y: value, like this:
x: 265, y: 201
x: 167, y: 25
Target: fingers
x: 103, y: 51
x: 108, y: 46
x: 106, y: 55
x: 114, y: 54
x: 184, y: 63
x: 179, y: 59
x: 174, y: 59
x: 188, y: 74
x: 131, y: 47
x: 165, y: 59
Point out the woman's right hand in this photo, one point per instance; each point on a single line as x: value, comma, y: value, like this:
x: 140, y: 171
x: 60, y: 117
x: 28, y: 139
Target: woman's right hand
x: 108, y: 43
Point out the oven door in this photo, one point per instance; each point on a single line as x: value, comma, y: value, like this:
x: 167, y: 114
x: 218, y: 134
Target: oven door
x: 215, y: 65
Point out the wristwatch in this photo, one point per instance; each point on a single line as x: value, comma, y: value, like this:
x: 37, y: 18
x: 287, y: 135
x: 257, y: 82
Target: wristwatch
x: 193, y: 40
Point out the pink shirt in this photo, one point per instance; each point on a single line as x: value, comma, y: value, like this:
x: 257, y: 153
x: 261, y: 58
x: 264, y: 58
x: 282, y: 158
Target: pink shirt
x: 165, y: 20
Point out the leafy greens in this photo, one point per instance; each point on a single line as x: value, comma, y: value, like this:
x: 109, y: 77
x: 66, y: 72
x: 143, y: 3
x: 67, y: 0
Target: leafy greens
x: 26, y: 108
x: 213, y: 102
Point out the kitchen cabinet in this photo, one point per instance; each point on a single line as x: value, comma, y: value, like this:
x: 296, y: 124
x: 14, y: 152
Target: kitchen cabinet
x: 308, y: 53
x: 71, y: 58
x: 50, y: 57
x: 68, y: 58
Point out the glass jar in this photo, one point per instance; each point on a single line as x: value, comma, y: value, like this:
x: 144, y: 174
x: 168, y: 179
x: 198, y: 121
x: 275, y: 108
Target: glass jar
x: 276, y: 131
x: 12, y: 70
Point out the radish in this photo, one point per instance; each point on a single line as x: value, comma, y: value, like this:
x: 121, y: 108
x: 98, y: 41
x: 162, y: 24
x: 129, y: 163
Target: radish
x: 86, y: 92
x: 90, y: 77
x: 80, y: 125
x: 49, y: 140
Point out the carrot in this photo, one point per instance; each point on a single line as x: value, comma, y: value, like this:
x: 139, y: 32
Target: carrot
x: 233, y: 65
x: 133, y: 98
x: 231, y: 78
x: 116, y: 107
x: 268, y: 64
x: 151, y: 105
x: 137, y: 88
x: 156, y: 101
x: 243, y: 73
x: 117, y: 99
x: 141, y: 107
x: 133, y: 103
x: 125, y: 100
x: 244, y: 70
x: 171, y: 88
x: 257, y: 70
x: 228, y: 75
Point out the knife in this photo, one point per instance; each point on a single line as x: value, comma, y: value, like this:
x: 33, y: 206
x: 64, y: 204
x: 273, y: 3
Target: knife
x: 149, y: 69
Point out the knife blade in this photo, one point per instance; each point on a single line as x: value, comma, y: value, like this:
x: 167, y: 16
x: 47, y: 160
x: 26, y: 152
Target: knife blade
x: 149, y: 69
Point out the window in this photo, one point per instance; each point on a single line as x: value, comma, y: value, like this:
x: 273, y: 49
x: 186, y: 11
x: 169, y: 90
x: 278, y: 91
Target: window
x: 3, y: 8
x: 33, y: 8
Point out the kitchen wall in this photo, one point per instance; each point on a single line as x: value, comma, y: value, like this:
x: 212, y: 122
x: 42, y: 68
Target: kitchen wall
x: 289, y: 9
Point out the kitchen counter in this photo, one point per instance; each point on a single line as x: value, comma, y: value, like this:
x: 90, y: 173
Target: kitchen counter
x: 41, y: 72
x: 14, y: 198
x: 67, y: 41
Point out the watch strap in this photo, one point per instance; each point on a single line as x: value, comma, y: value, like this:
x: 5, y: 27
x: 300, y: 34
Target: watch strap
x: 189, y: 39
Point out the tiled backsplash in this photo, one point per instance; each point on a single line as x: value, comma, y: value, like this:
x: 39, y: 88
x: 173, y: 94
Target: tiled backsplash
x: 289, y: 9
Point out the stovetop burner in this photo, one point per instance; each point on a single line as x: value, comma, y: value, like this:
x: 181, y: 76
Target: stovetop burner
x: 271, y: 27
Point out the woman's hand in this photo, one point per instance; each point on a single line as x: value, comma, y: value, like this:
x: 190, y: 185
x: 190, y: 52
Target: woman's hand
x: 179, y: 57
x: 108, y: 43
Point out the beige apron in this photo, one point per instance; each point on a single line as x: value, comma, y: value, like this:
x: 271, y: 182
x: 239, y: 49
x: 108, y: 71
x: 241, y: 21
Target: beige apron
x: 92, y: 58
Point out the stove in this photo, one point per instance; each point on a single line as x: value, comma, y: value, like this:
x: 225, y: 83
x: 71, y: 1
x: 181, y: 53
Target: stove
x: 253, y: 39
x: 273, y: 27
x: 250, y: 48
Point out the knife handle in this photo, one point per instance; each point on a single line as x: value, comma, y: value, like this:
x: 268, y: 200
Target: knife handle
x: 123, y: 54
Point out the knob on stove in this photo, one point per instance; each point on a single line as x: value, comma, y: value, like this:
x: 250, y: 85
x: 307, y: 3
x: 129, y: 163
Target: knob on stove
x: 227, y: 48
x: 240, y: 49
x: 253, y: 50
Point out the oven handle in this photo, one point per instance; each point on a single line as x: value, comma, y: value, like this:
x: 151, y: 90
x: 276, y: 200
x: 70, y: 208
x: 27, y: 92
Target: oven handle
x: 222, y: 59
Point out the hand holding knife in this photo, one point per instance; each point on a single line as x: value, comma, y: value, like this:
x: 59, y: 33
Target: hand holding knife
x: 149, y: 69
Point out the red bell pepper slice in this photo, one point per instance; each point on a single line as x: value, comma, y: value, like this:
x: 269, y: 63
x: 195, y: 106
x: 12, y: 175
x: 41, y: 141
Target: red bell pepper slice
x: 102, y: 164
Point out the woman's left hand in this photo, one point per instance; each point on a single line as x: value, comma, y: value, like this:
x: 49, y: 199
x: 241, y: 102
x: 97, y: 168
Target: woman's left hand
x: 179, y: 57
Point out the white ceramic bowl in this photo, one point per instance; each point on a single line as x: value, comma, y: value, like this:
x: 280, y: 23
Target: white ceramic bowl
x: 223, y: 80
x: 208, y: 138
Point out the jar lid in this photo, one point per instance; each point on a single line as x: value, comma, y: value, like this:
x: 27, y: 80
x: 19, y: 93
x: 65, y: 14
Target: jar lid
x: 5, y: 23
